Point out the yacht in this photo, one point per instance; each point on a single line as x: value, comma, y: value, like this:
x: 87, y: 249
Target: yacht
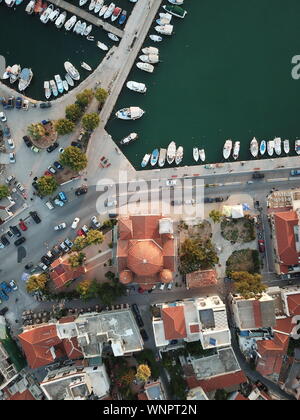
x: 297, y: 147
x: 25, y: 79
x: 131, y: 113
x: 99, y: 4
x: 47, y: 90
x: 88, y: 30
x: 65, y: 85
x: 109, y: 11
x: 70, y: 23
x: 59, y: 83
x: 171, y: 152
x: 155, y: 38
x: 152, y: 58
x: 86, y: 66
x: 45, y: 16
x: 54, y: 15
x: 236, y: 150
x: 92, y: 5
x: 102, y: 46
x: 154, y: 157
x: 14, y: 73
x: 71, y: 70
x: 123, y: 17
x: 10, y: 3
x: 227, y: 149
x: 77, y: 27
x: 83, y: 28
x: 129, y: 138
x: 136, y: 87
x: 146, y: 67
x: 202, y: 154
x: 164, y: 30
x: 103, y: 10
x: 176, y: 2
x: 254, y: 147
x: 116, y: 13
x: 69, y: 80
x: 270, y: 147
x: 61, y: 20
x: 196, y: 154
x: 150, y: 50
x: 113, y: 37
x: 82, y: 2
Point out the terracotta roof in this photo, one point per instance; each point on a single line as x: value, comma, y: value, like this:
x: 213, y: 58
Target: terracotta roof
x: 174, y: 322
x: 125, y: 228
x: 62, y: 272
x: 126, y: 276
x: 284, y: 325
x: 228, y: 380
x: 166, y: 276
x: 145, y: 227
x: 22, y: 396
x: 257, y: 313
x: 144, y: 258
x: 293, y: 302
x: 194, y: 328
x: 284, y: 227
x: 201, y: 278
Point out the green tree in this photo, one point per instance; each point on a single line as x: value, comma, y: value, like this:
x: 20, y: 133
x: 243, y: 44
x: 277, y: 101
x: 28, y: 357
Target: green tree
x: 83, y: 289
x: 4, y: 191
x: 109, y: 292
x: 36, y: 282
x: 94, y: 237
x: 36, y: 131
x: 84, y: 98
x: 101, y: 95
x: 143, y: 372
x: 196, y: 254
x: 73, y: 158
x: 79, y: 243
x: 47, y: 184
x: 216, y: 216
x: 90, y: 121
x: 76, y: 259
x: 248, y: 285
x: 64, y: 126
x: 73, y: 112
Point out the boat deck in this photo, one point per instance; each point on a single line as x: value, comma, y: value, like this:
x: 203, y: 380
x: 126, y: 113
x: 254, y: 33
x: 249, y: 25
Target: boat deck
x: 88, y: 17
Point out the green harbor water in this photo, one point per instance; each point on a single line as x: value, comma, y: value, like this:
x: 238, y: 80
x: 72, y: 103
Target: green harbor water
x: 224, y: 73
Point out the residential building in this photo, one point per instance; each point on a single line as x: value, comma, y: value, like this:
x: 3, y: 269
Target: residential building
x: 23, y: 387
x: 197, y: 394
x: 201, y: 278
x: 61, y: 272
x: 7, y: 370
x: 153, y: 391
x: 6, y: 209
x: 146, y: 250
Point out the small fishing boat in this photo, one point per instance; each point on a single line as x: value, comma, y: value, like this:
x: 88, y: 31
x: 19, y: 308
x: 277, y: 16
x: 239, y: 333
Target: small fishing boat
x: 164, y: 19
x: 82, y: 2
x: 54, y: 15
x: 131, y: 113
x: 195, y: 154
x: 175, y: 11
x: 99, y: 4
x: 102, y: 46
x: 61, y: 20
x: 236, y: 150
x: 270, y: 147
x: 123, y: 17
x: 113, y: 37
x: 150, y: 50
x: 164, y: 30
x: 263, y: 147
x: 92, y: 5
x: 14, y: 73
x: 254, y: 147
x: 286, y: 146
x: 59, y: 83
x: 129, y: 138
x: 171, y: 152
x: 70, y: 23
x: 30, y: 7
x: 45, y: 16
x: 152, y: 58
x: 65, y: 85
x: 145, y: 160
x: 145, y: 66
x: 277, y: 145
x: 88, y: 30
x: 71, y: 70
x: 202, y: 154
x: 155, y: 38
x: 154, y: 157
x: 69, y: 80
x: 297, y: 147
x: 136, y: 87
x: 162, y: 157
x: 116, y: 13
x: 47, y: 89
x: 227, y: 149
x: 86, y: 66
x: 103, y: 10
x: 53, y: 87
x: 109, y: 11
x: 25, y: 79
x: 179, y: 155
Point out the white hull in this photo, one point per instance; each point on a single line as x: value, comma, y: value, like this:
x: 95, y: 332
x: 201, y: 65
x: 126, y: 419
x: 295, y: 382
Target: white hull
x: 146, y: 67
x: 270, y: 147
x: 155, y: 38
x: 179, y: 155
x: 109, y: 11
x: 61, y: 20
x: 145, y: 160
x: 236, y: 150
x: 70, y: 69
x: 136, y: 87
x: 171, y: 152
x: 151, y: 59
x: 162, y: 157
x: 128, y: 139
x: 277, y: 146
x: 254, y: 147
x: 227, y: 149
x: 196, y: 154
x: 132, y: 113
x: 102, y: 46
x: 202, y: 155
x: 286, y: 146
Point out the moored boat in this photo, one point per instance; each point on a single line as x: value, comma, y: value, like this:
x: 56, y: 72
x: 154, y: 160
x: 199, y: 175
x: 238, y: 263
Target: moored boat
x: 131, y: 113
x: 145, y: 160
x: 129, y: 138
x: 162, y: 157
x: 179, y: 155
x: 123, y: 17
x: 227, y: 148
x: 14, y: 73
x: 103, y: 10
x: 145, y: 66
x: 77, y: 27
x: 254, y: 147
x: 86, y: 66
x: 297, y: 147
x: 99, y: 4
x: 263, y: 147
x: 45, y: 16
x: 10, y: 3
x: 176, y: 2
x: 150, y: 50
x: 154, y: 157
x: 236, y: 150
x: 25, y: 79
x: 164, y: 30
x: 71, y: 70
x: 270, y: 147
x: 136, y: 87
x: 70, y: 23
x: 151, y: 58
x: 53, y: 88
x: 109, y: 11
x: 82, y: 29
x: 54, y: 15
x: 88, y: 30
x: 82, y: 2
x: 277, y: 145
x: 92, y: 5
x: 175, y: 10
x: 113, y: 37
x: 61, y: 20
x: 116, y: 13
x: 196, y: 154
x: 59, y: 83
x: 30, y: 7
x: 102, y: 46
x: 171, y: 152
x: 202, y: 155
x: 286, y: 146
x: 155, y: 38
x: 69, y: 80
x: 47, y: 89
x: 65, y: 85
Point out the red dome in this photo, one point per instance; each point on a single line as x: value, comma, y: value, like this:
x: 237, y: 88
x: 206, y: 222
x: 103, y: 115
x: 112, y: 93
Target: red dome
x: 126, y: 277
x: 166, y: 276
x: 145, y: 258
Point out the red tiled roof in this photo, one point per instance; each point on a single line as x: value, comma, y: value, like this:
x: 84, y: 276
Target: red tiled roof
x: 194, y: 328
x: 257, y: 313
x: 284, y: 325
x: 62, y: 272
x: 201, y: 278
x: 23, y: 396
x: 284, y: 227
x: 293, y: 302
x: 145, y: 227
x: 228, y: 380
x: 125, y: 228
x: 174, y: 322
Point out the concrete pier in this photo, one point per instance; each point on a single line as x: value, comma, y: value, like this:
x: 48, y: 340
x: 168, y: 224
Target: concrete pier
x: 88, y: 17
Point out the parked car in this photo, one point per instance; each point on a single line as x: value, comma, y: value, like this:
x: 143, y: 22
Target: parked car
x: 45, y: 122
x: 81, y: 191
x: 35, y: 185
x: 162, y: 286
x: 176, y: 202
x: 45, y: 105
x: 2, y: 117
x: 295, y: 172
x: 13, y: 285
x: 6, y: 131
x: 42, y: 266
x: 3, y: 311
x: 5, y: 287
x: 62, y: 196
x: 25, y: 105
x: 20, y: 241
x: 58, y: 202
x: 257, y: 175
x: 19, y: 102
x: 12, y: 158
x: 51, y: 169
x: 111, y: 203
x: 95, y: 222
x: 11, y: 102
x: 49, y: 205
x: 27, y: 141
x: 51, y: 257
x: 9, y: 179
x: 20, y: 187
x: 85, y: 229
x: 171, y: 182
x: 52, y: 147
x: 45, y: 260
x: 4, y: 240
x: 170, y: 285
x: 56, y: 251
x: 35, y: 217
x: 10, y: 234
x: 3, y: 296
x: 15, y: 231
x: 35, y: 149
x: 68, y: 242
x: 64, y: 247
x: 144, y: 334
x: 58, y: 165
x: 75, y: 223
x: 219, y: 199
x: 208, y: 200
x: 22, y: 225
x: 261, y: 245
x: 28, y: 266
x: 76, y: 144
x: 61, y: 226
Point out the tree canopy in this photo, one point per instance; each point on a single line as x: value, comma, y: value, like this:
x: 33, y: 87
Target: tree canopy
x: 36, y: 282
x: 73, y: 112
x: 4, y: 191
x: 47, y: 184
x: 73, y: 158
x: 84, y: 98
x: 196, y: 254
x: 106, y: 292
x: 64, y: 126
x: 143, y: 372
x: 216, y: 216
x: 101, y: 95
x: 90, y: 121
x: 248, y: 285
x: 76, y: 259
x: 36, y: 131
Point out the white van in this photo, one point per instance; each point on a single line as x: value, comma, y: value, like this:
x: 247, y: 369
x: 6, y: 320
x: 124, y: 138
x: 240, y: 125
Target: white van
x: 49, y: 205
x: 162, y: 286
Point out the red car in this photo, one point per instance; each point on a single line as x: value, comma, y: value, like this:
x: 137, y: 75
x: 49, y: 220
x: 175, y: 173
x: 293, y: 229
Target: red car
x: 261, y: 245
x: 48, y: 173
x: 80, y: 232
x: 22, y: 225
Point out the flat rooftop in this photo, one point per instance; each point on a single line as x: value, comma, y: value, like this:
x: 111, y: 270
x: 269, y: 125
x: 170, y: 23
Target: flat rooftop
x: 219, y: 364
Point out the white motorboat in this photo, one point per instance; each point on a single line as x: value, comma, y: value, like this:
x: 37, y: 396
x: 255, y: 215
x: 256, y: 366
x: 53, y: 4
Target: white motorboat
x: 136, y: 87
x: 171, y: 152
x: 196, y: 154
x: 59, y: 83
x: 129, y: 138
x: 286, y: 146
x: 88, y: 30
x: 179, y: 155
x: 25, y: 79
x: 155, y: 38
x: 236, y: 150
x: 152, y: 58
x: 164, y: 19
x: 7, y: 73
x: 145, y: 160
x: 176, y: 2
x: 61, y: 20
x: 54, y: 15
x: 116, y: 13
x: 297, y: 147
x: 92, y: 5
x: 227, y: 149
x: 254, y: 147
x: 109, y: 11
x: 70, y: 23
x: 69, y: 80
x: 14, y: 73
x: 103, y: 10
x: 83, y: 28
x: 162, y: 157
x: 164, y: 30
x: 90, y: 38
x: 131, y: 113
x: 145, y: 66
x: 154, y: 157
x: 10, y: 3
x: 45, y: 16
x: 150, y: 50
x: 47, y: 89
x: 86, y: 66
x: 263, y: 147
x: 113, y: 37
x: 77, y: 27
x: 65, y: 85
x: 270, y: 147
x: 53, y: 88
x: 82, y: 2
x: 102, y: 46
x: 277, y: 145
x: 71, y: 70
x: 99, y: 4
x: 202, y: 155
x: 30, y: 7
